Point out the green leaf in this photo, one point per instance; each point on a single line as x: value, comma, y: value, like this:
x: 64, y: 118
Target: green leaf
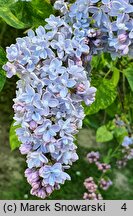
x: 22, y: 15
x: 14, y: 142
x: 10, y: 19
x: 101, y: 62
x: 114, y: 108
x: 105, y: 96
x: 33, y: 13
x: 6, y: 2
x: 2, y: 72
x: 129, y: 75
x: 91, y: 121
x: 103, y: 135
x: 41, y: 10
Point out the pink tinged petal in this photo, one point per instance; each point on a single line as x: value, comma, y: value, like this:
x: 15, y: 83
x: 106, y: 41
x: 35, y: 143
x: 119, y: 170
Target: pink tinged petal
x: 35, y: 185
x: 49, y: 189
x: 41, y: 194
x: 126, y: 50
x: 33, y: 125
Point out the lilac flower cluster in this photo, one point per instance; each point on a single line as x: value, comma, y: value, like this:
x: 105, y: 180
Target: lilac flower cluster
x: 93, y: 157
x: 52, y: 65
x: 103, y: 166
x: 103, y: 183
x: 103, y: 25
x: 127, y: 141
x: 92, y: 194
x: 48, y: 106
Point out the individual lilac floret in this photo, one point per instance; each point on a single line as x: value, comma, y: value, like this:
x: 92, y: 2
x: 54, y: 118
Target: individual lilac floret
x: 62, y: 6
x: 105, y: 184
x: 36, y: 159
x: 53, y: 174
x: 25, y: 148
x: 10, y: 69
x: 103, y: 166
x: 93, y: 157
x: 92, y: 190
x: 127, y: 141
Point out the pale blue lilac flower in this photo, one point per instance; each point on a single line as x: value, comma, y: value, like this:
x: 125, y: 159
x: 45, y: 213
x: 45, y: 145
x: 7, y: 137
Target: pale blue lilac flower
x: 10, y: 69
x: 51, y: 63
x: 53, y: 174
x: 127, y: 141
x: 61, y: 5
x: 47, y: 130
x: 36, y: 159
x: 120, y: 6
x: 47, y: 102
